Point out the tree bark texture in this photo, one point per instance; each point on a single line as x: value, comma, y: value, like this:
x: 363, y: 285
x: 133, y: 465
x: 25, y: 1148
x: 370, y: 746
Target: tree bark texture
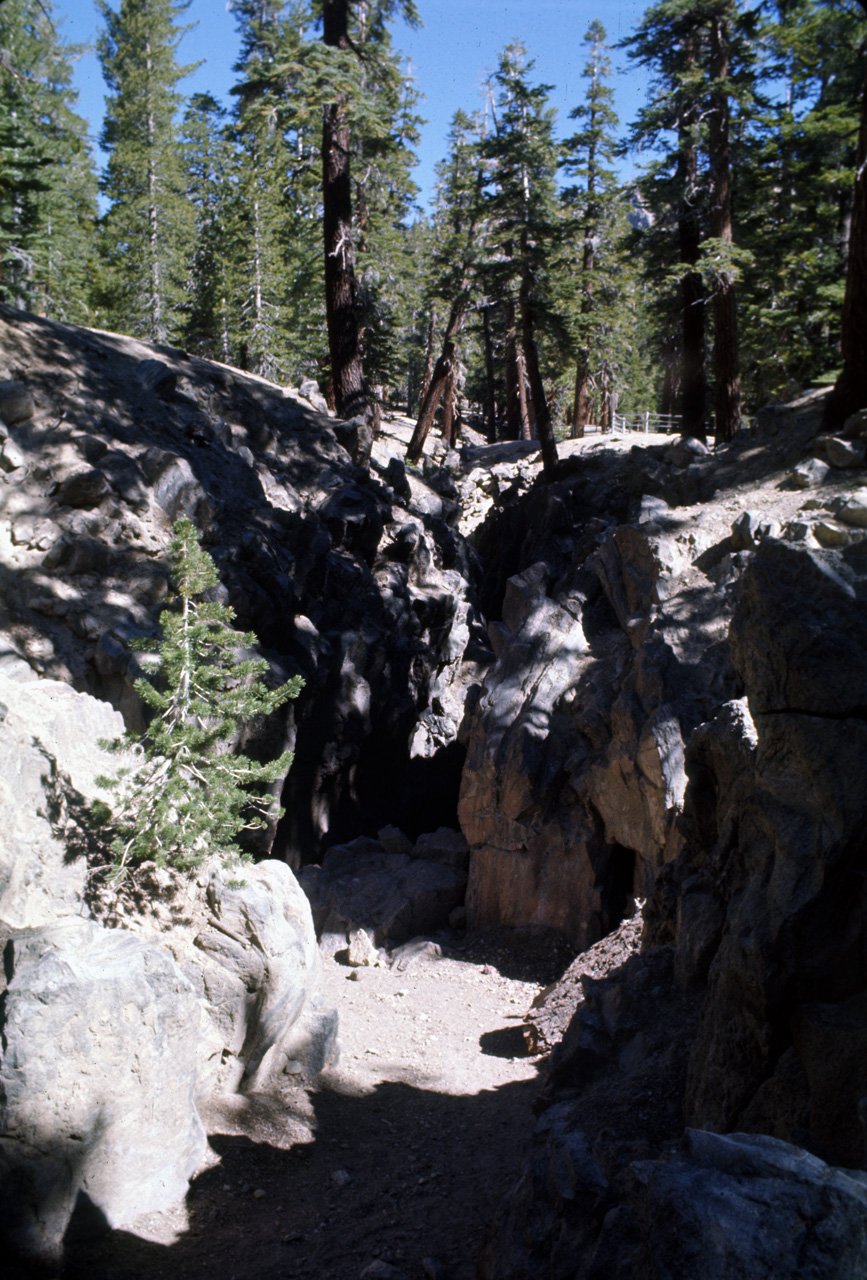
x: 850, y: 390
x: 429, y: 357
x: 727, y: 383
x: 449, y: 406
x: 490, y: 385
x: 544, y: 427
x: 514, y: 422
x: 344, y: 343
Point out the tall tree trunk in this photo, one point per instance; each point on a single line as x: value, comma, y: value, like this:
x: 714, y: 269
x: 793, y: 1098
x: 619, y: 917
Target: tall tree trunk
x: 438, y: 381
x: 490, y: 386
x: 693, y: 386
x: 581, y: 403
x: 449, y: 406
x: 344, y: 343
x: 516, y: 420
x: 429, y: 356
x: 544, y: 427
x: 727, y: 398
x: 850, y: 390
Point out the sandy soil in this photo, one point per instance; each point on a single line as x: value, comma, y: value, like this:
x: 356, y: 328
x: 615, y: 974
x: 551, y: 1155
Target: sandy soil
x: 400, y: 1153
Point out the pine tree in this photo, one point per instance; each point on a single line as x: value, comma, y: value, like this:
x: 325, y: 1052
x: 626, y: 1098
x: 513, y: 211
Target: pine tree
x: 850, y: 389
x: 259, y: 208
x: 147, y: 229
x: 521, y: 157
x: 210, y: 190
x: 347, y: 97
x: 795, y: 197
x: 701, y: 54
x: 47, y: 180
x: 596, y: 219
x: 185, y: 794
x: 452, y: 266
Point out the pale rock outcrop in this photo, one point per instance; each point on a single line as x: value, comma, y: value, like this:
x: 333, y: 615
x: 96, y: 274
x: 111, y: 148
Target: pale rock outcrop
x: 115, y: 1039
x: 101, y: 1040
x: 43, y: 867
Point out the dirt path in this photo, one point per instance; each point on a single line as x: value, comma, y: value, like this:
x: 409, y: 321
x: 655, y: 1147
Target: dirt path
x: 401, y: 1153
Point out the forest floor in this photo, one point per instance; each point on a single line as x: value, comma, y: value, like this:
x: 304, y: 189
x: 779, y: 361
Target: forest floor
x: 401, y: 1153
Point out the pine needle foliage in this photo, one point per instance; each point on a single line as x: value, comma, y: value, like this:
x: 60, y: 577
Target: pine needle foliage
x: 186, y: 795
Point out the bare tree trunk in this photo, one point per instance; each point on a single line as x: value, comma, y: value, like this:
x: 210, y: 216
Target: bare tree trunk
x: 581, y: 403
x: 438, y: 381
x: 850, y: 390
x: 429, y: 356
x: 725, y: 319
x: 449, y: 406
x: 490, y: 388
x: 350, y: 392
x: 544, y: 428
x: 525, y: 430
x: 513, y: 378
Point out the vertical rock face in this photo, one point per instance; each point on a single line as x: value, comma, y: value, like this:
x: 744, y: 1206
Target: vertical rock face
x: 608, y: 654
x: 777, y: 835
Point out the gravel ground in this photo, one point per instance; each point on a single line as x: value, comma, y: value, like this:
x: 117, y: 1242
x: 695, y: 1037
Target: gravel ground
x: 401, y: 1153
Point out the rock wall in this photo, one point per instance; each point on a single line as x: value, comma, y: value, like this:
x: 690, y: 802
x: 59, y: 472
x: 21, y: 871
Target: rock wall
x: 742, y: 1016
x: 610, y: 649
x: 356, y: 579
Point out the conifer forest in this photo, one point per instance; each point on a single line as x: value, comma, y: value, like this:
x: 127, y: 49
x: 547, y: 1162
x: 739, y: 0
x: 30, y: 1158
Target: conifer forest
x: 542, y: 293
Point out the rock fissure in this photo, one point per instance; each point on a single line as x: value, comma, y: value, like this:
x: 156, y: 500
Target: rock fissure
x: 529, y: 706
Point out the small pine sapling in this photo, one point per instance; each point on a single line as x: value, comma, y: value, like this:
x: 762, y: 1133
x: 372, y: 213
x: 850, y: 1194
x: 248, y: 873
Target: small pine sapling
x: 186, y: 794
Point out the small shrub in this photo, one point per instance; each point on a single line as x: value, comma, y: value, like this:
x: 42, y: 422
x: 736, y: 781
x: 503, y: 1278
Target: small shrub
x: 184, y: 794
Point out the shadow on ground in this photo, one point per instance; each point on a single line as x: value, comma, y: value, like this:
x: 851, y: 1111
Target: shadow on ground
x: 399, y: 1173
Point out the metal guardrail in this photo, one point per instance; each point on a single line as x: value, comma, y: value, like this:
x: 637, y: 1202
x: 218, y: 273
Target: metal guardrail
x: 645, y: 422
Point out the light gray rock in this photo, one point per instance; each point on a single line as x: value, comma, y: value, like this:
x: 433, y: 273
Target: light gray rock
x: 745, y: 531
x: 380, y: 1270
x: 156, y: 376
x: 855, y: 427
x: 393, y: 840
x: 83, y: 489
x: 12, y: 458
x: 255, y: 963
x: 362, y: 951
x: 445, y: 845
x: 391, y: 896
x: 809, y: 474
x: 854, y: 509
x: 845, y: 453
x: 49, y: 761
x: 82, y: 1006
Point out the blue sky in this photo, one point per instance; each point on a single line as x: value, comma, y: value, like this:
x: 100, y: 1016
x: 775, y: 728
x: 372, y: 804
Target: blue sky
x: 450, y: 56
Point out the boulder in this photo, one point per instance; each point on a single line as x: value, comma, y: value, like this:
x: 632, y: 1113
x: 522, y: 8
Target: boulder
x: 731, y: 1207
x: 83, y: 489
x: 100, y: 1035
x: 391, y: 896
x: 845, y: 453
x: 16, y: 403
x: 756, y: 1206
